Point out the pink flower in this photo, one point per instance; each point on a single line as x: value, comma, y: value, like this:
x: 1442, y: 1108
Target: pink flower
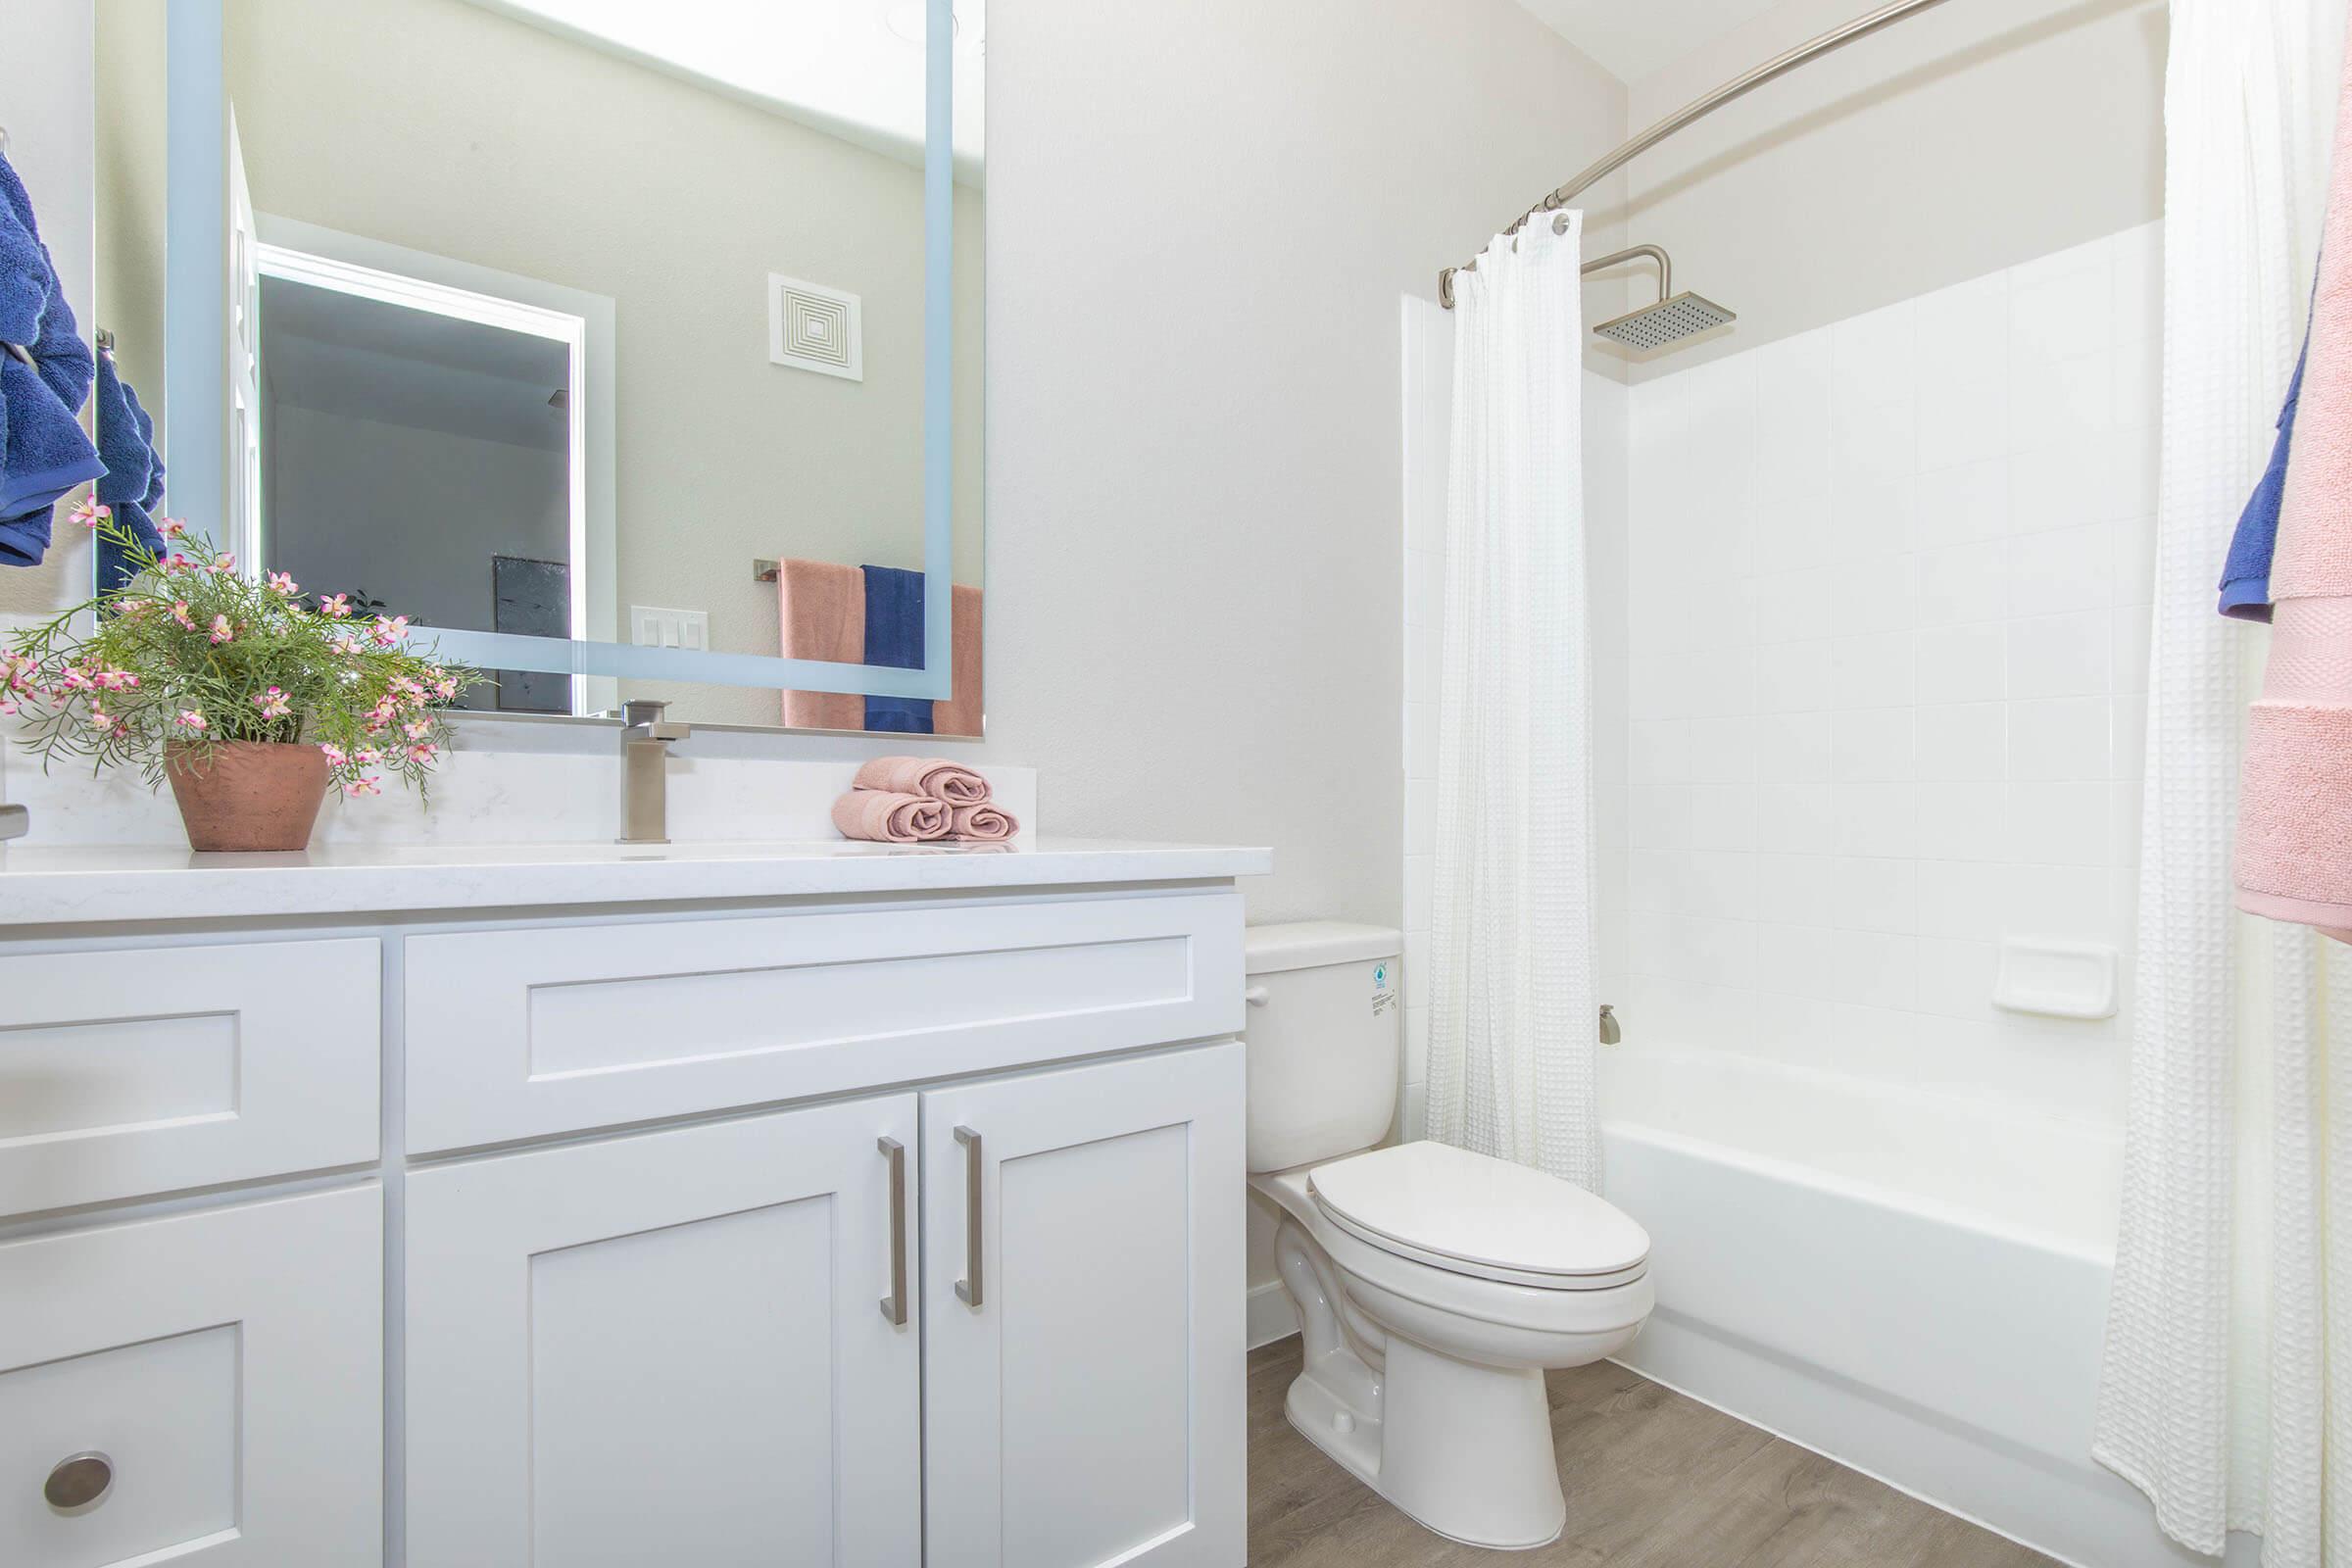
x: 224, y: 562
x: 90, y: 514
x: 423, y: 754
x: 367, y: 757
x: 175, y: 561
x: 334, y: 755
x: 100, y: 719
x: 418, y: 729
x: 361, y: 786
x: 172, y: 527
x: 273, y: 703
x: 223, y: 631
x: 388, y: 633
x: 282, y: 582
x: 190, y: 720
x: 336, y: 608
x: 180, y: 612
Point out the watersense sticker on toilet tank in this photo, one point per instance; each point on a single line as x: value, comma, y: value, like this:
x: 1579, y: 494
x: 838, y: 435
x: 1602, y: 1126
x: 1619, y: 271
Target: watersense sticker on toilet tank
x: 1384, y: 990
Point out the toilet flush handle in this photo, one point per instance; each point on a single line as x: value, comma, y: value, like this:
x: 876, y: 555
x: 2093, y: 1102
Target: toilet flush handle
x: 1255, y: 996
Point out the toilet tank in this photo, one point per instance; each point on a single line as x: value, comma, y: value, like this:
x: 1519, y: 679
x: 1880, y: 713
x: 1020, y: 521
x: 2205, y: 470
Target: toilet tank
x: 1323, y: 1033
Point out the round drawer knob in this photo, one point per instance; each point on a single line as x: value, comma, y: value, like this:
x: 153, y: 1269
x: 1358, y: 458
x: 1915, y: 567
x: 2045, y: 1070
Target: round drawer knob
x: 79, y: 1479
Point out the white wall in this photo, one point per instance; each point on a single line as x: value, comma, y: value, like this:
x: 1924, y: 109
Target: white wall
x: 1962, y: 140
x: 1202, y: 218
x: 1888, y: 649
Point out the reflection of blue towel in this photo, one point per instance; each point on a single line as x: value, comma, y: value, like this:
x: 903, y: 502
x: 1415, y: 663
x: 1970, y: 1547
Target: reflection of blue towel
x: 894, y: 637
x: 43, y: 451
x: 134, y: 476
x: 2246, y: 577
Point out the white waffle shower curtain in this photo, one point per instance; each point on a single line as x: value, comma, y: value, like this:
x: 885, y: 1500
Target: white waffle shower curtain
x: 2227, y: 1389
x: 1513, y: 999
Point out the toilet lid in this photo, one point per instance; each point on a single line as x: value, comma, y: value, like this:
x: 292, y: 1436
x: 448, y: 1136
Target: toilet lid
x: 1479, y: 1215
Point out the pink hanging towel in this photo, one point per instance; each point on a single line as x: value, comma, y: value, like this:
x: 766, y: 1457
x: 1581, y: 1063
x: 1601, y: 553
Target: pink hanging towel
x: 2294, y: 814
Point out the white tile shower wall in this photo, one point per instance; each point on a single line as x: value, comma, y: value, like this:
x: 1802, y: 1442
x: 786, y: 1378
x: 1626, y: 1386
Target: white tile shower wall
x: 1428, y: 399
x: 1886, y: 640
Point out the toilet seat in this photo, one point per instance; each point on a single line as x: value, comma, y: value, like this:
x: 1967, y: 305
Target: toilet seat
x: 1475, y: 1215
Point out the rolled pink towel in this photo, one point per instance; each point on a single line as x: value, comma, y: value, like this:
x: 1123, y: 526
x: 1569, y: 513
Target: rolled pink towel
x: 982, y: 823
x: 887, y: 817
x: 934, y: 776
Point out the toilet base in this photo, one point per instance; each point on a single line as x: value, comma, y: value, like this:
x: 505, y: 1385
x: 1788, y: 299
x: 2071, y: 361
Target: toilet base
x: 1484, y: 1475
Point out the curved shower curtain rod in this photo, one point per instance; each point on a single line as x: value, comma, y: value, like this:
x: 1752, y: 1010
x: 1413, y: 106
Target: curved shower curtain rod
x: 1699, y: 109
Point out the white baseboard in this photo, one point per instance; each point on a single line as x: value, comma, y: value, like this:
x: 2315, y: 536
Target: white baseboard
x: 1271, y: 1315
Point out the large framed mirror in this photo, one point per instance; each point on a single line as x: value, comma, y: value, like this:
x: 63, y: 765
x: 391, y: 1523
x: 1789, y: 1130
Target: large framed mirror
x: 629, y: 351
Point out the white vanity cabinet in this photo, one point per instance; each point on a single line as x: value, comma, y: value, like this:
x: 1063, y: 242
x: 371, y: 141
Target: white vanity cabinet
x: 219, y: 1374
x: 1081, y: 1261
x: 681, y: 1346
x: 877, y: 1221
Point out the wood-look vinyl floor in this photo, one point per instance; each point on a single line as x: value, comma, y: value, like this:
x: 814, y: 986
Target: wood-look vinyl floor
x: 1654, y: 1480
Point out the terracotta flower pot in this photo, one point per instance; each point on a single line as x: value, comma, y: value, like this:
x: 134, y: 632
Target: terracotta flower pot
x: 248, y: 795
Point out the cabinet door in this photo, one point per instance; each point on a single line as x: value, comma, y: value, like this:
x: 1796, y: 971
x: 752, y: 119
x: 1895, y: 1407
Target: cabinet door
x: 670, y: 1348
x: 229, y: 1366
x: 1082, y: 1279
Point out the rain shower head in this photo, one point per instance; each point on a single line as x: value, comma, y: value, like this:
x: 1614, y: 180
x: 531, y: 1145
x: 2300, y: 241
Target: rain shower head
x: 1675, y: 318
x: 1665, y: 324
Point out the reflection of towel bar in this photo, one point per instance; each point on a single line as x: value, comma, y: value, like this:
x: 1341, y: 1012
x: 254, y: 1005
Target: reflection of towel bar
x: 765, y: 571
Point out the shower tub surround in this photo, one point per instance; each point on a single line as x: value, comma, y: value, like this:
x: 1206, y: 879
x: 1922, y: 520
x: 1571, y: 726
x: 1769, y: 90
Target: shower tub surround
x: 1870, y: 634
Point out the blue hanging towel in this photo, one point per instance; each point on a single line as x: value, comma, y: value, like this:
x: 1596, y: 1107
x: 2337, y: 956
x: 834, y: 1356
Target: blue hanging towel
x: 894, y: 639
x: 2247, y: 575
x: 44, y: 453
x: 134, y: 475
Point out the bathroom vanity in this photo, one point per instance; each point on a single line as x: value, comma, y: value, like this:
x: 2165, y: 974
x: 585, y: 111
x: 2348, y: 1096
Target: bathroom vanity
x: 816, y: 1203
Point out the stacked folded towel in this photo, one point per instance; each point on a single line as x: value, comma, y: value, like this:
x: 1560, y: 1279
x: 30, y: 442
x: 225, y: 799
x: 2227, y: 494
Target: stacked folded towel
x: 914, y: 800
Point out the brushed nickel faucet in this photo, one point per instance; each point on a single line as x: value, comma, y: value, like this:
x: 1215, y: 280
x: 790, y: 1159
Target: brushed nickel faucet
x: 645, y: 737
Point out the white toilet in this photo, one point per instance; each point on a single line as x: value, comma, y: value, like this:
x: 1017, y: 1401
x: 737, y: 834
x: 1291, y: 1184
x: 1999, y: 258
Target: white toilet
x: 1434, y: 1286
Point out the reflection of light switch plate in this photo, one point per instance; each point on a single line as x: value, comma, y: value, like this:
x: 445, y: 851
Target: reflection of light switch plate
x: 650, y: 626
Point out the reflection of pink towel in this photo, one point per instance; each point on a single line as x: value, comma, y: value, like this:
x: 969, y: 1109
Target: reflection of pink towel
x: 934, y: 776
x: 821, y: 608
x: 888, y: 818
x: 961, y: 714
x: 2294, y: 814
x: 982, y: 823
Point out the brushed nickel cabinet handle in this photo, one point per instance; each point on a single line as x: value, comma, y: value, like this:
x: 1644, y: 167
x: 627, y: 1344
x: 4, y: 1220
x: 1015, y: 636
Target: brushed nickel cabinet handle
x: 894, y: 1306
x: 967, y: 1289
x: 79, y: 1479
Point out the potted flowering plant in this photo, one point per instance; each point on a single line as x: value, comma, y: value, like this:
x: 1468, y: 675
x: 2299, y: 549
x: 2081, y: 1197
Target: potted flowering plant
x: 246, y: 697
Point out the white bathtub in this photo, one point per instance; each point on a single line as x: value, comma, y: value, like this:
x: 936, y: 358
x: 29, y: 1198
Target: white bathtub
x: 1913, y: 1285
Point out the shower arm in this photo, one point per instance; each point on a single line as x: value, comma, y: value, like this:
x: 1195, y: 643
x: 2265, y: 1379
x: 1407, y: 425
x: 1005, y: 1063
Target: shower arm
x: 1631, y: 253
x: 1699, y: 108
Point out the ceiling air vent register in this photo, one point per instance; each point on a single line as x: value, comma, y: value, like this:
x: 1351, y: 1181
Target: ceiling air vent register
x: 812, y: 327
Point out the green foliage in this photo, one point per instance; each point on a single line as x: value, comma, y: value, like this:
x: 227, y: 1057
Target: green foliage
x: 191, y: 654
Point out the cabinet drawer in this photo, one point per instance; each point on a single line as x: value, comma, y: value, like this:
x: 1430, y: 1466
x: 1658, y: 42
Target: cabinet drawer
x: 229, y: 1366
x: 516, y: 1033
x: 138, y: 1070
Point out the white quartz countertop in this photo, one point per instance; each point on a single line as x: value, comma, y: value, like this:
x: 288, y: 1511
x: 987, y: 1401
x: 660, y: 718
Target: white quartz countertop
x: 75, y: 884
